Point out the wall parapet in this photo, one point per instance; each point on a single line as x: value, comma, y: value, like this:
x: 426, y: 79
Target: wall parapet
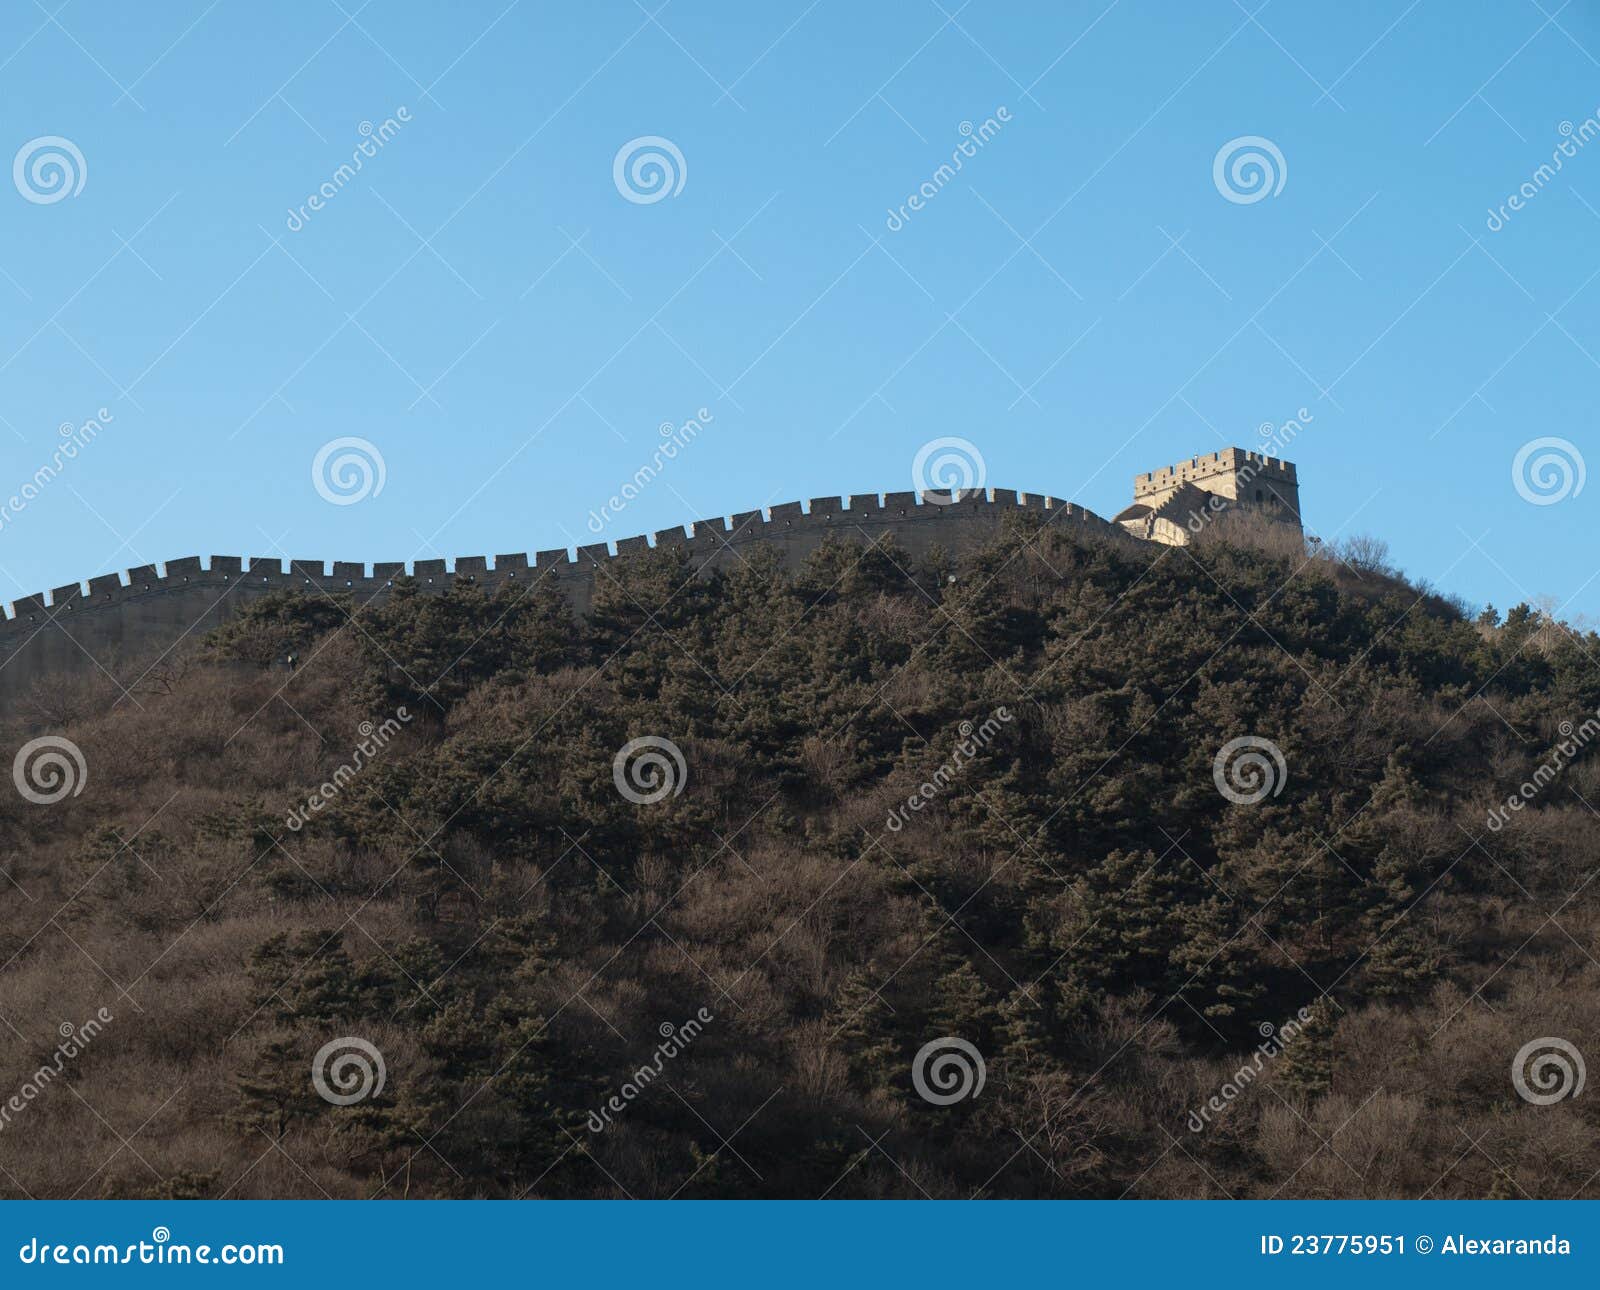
x: 818, y: 514
x: 148, y: 610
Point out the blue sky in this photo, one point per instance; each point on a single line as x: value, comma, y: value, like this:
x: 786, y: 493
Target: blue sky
x: 485, y: 306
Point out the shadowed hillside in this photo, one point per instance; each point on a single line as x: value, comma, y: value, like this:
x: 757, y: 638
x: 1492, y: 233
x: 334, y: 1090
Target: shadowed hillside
x: 1077, y: 868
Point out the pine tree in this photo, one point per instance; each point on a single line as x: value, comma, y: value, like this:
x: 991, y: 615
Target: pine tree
x: 309, y: 977
x: 1022, y: 1034
x: 276, y: 1091
x: 862, y: 1027
x: 1306, y: 1065
x: 963, y: 1005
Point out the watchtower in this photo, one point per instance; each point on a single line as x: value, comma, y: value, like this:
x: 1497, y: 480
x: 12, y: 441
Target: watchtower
x: 1173, y: 503
x: 1245, y: 478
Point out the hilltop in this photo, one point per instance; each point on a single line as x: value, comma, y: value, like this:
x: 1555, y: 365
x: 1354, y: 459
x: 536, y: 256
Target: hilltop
x: 669, y: 896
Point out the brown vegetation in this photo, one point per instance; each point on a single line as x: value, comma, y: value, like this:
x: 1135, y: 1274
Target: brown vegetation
x: 1076, y: 899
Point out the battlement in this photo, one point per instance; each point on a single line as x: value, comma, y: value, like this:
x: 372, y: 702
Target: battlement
x: 708, y: 535
x: 1211, y: 465
x: 1170, y: 505
x: 150, y: 610
x: 117, y: 623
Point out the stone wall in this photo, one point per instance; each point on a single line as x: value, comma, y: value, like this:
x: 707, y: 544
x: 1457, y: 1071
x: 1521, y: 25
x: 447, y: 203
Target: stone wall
x: 1232, y: 473
x: 120, y: 625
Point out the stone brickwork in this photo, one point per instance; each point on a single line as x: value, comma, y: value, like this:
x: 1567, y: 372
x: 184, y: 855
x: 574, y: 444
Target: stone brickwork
x: 1171, y: 504
x: 1233, y: 473
x: 121, y: 624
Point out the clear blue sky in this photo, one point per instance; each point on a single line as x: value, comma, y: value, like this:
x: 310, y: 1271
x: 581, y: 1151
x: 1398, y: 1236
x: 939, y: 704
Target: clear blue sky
x: 483, y: 304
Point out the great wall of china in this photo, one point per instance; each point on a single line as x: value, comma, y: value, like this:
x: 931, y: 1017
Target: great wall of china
x: 120, y: 628
x: 120, y: 624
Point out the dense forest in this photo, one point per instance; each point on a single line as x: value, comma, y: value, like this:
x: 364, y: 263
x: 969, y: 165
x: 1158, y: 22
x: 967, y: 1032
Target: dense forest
x: 877, y: 878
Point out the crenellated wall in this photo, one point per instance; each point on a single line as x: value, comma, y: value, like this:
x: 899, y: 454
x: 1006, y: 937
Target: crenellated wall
x: 120, y: 625
x: 1250, y: 478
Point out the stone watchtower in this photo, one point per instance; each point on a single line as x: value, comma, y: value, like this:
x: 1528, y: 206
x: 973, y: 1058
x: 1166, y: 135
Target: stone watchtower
x: 1170, y: 505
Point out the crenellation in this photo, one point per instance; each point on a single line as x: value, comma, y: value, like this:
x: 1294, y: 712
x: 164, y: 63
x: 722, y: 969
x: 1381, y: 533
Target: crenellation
x: 122, y: 619
x: 1172, y: 503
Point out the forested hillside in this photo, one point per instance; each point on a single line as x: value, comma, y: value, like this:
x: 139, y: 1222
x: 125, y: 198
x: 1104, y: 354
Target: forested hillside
x: 881, y: 805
